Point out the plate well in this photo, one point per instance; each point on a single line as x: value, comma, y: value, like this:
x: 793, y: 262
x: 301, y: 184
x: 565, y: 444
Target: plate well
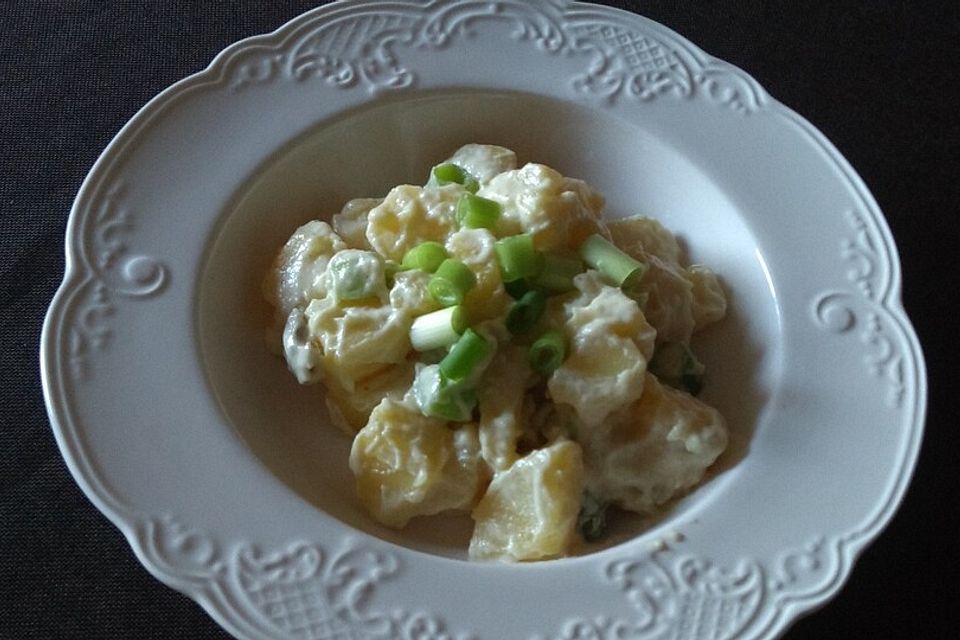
x: 363, y: 153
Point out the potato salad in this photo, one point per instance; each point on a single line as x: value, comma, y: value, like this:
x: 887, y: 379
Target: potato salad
x: 492, y: 345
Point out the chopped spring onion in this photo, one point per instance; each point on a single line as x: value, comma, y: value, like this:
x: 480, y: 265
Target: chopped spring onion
x: 448, y: 172
x: 558, y: 273
x: 516, y: 288
x: 674, y: 364
x: 426, y: 256
x: 474, y: 212
x: 467, y: 358
x: 526, y: 311
x: 447, y: 390
x: 455, y: 403
x: 548, y: 352
x: 592, y: 520
x: 437, y: 397
x: 517, y: 257
x: 451, y: 282
x: 615, y: 265
x: 438, y: 329
x: 354, y: 274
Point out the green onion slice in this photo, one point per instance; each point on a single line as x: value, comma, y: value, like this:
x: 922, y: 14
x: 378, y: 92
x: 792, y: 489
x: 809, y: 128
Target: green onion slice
x: 558, y: 273
x: 438, y: 329
x: 517, y: 257
x: 426, y: 256
x: 592, y: 519
x: 437, y: 397
x: 674, y: 364
x: 467, y: 358
x: 454, y: 404
x: 548, y: 352
x: 451, y: 282
x: 517, y: 288
x: 526, y: 311
x: 448, y: 173
x: 615, y: 265
x: 474, y: 212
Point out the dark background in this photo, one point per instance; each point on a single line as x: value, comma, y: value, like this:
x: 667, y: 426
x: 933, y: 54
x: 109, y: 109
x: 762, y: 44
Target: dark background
x: 879, y: 78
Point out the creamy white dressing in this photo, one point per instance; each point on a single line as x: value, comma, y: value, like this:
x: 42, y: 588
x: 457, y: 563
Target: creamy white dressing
x: 301, y: 353
x: 484, y: 161
x: 355, y: 274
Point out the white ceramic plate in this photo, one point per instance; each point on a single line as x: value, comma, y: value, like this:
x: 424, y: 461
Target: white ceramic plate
x: 226, y: 477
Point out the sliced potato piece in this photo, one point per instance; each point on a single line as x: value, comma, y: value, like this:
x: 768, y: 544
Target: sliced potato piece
x: 350, y: 410
x: 487, y: 298
x: 709, y: 301
x: 358, y: 341
x: 484, y: 161
x: 603, y: 373
x: 529, y: 511
x: 410, y: 215
x: 642, y: 237
x: 299, y: 269
x: 351, y: 223
x: 610, y: 343
x: 668, y: 301
x: 558, y: 212
x: 409, y: 465
x: 501, y: 395
x: 658, y: 448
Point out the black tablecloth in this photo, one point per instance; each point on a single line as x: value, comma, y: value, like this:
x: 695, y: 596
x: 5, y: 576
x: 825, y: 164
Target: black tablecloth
x: 879, y: 78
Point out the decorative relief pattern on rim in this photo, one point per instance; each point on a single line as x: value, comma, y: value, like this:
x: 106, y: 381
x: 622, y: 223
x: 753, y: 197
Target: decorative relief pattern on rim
x: 179, y: 551
x: 682, y: 597
x: 115, y: 272
x: 302, y: 592
x: 361, y: 47
x: 842, y: 311
x: 305, y: 593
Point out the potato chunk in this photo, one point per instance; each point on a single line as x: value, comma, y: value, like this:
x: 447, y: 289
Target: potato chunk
x: 529, y: 511
x: 350, y: 410
x: 602, y: 373
x: 351, y: 223
x: 709, y: 301
x: 610, y: 343
x: 501, y: 395
x: 641, y: 236
x: 678, y: 300
x: 475, y: 248
x: 658, y: 448
x: 669, y: 302
x: 410, y: 215
x: 484, y: 161
x: 558, y: 212
x: 357, y: 341
x: 299, y: 270
x: 409, y: 465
